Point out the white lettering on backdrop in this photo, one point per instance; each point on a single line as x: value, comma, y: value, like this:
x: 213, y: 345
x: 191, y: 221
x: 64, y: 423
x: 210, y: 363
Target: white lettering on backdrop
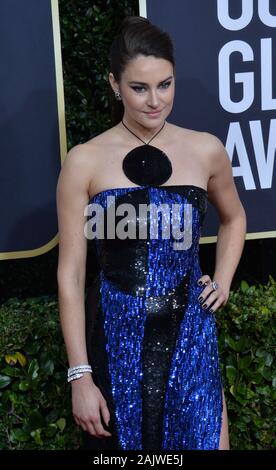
x: 264, y: 154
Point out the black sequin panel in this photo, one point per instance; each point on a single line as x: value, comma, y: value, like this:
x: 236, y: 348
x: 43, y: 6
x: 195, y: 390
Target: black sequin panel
x: 119, y: 257
x: 164, y: 315
x: 147, y: 164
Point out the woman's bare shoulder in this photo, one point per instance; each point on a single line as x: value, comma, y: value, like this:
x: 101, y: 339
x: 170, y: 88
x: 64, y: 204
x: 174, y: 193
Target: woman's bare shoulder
x: 93, y: 145
x: 208, y: 147
x: 80, y: 162
x: 213, y: 144
x: 202, y: 138
x: 102, y: 140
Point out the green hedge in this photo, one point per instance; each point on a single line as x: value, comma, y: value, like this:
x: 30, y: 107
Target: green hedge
x: 87, y: 30
x: 34, y: 398
x: 35, y: 409
x: 247, y: 330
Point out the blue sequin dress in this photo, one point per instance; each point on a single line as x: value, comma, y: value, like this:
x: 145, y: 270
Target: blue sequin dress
x: 152, y: 346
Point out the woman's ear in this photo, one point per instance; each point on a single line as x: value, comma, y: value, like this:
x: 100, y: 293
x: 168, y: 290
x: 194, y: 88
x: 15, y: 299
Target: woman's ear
x: 114, y: 85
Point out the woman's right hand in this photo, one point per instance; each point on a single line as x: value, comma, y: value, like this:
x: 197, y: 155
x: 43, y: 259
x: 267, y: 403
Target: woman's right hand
x: 88, y: 402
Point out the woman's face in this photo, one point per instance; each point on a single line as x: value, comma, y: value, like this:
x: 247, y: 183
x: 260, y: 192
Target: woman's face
x: 147, y: 89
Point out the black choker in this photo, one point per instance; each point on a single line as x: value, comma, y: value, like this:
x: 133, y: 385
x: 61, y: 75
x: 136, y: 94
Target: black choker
x: 146, y: 165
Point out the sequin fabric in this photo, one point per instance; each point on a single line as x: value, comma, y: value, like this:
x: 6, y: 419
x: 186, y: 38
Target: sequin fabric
x: 160, y: 346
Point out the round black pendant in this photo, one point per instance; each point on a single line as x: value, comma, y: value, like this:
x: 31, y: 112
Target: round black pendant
x: 147, y: 165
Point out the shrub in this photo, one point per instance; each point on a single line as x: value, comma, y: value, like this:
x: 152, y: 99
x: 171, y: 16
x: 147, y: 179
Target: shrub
x: 246, y: 328
x: 35, y: 402
x: 87, y: 30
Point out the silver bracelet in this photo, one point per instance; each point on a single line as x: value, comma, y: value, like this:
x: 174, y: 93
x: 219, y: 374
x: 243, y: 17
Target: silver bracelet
x: 78, y: 368
x: 77, y: 372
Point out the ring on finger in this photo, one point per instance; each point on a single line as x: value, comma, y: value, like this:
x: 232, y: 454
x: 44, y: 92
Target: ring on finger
x: 215, y: 285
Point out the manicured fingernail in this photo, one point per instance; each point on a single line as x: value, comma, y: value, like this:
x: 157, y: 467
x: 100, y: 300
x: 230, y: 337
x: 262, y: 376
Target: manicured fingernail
x: 200, y: 299
x: 204, y: 306
x: 199, y: 283
x: 211, y: 310
x: 206, y: 283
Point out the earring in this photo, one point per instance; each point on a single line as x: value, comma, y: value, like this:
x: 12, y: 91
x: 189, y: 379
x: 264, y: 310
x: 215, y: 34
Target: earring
x: 118, y: 95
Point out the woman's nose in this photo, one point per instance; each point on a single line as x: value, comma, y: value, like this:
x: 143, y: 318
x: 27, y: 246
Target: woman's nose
x: 153, y: 99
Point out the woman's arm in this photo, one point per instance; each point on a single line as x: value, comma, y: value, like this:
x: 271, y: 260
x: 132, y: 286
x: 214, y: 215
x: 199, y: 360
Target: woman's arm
x: 72, y: 197
x: 222, y: 193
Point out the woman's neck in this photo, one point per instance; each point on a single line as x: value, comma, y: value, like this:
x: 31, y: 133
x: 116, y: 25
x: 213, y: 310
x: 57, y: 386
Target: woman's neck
x: 144, y: 133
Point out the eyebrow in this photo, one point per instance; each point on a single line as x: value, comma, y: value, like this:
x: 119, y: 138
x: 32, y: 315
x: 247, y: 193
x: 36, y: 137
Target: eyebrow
x: 143, y: 83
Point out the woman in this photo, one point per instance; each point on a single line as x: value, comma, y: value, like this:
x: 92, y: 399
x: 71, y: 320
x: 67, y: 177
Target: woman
x: 147, y: 327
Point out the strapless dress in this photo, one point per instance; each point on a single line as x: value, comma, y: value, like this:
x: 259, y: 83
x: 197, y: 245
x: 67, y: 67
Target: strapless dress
x: 152, y: 346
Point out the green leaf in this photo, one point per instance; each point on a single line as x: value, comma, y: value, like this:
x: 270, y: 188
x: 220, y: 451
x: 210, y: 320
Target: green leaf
x: 256, y: 377
x: 51, y: 430
x: 19, y: 435
x: 230, y: 342
x: 231, y: 374
x: 238, y: 346
x: 11, y: 371
x: 48, y: 366
x: 265, y: 390
x: 33, y: 348
x: 24, y: 385
x: 244, y: 286
x: 241, y: 389
x: 244, y: 362
x: 260, y: 352
x: 266, y: 373
x: 33, y: 369
x: 268, y: 359
x: 61, y: 423
x: 5, y: 380
x: 258, y: 421
x: 37, y: 436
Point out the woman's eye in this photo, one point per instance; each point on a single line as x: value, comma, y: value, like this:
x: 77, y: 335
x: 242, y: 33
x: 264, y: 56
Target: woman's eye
x: 165, y: 85
x: 138, y: 89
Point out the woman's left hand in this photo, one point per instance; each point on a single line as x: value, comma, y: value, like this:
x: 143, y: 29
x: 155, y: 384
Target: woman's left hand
x: 216, y: 298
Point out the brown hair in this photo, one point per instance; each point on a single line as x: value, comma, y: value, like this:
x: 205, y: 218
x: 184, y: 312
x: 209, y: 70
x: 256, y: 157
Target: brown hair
x: 138, y: 36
